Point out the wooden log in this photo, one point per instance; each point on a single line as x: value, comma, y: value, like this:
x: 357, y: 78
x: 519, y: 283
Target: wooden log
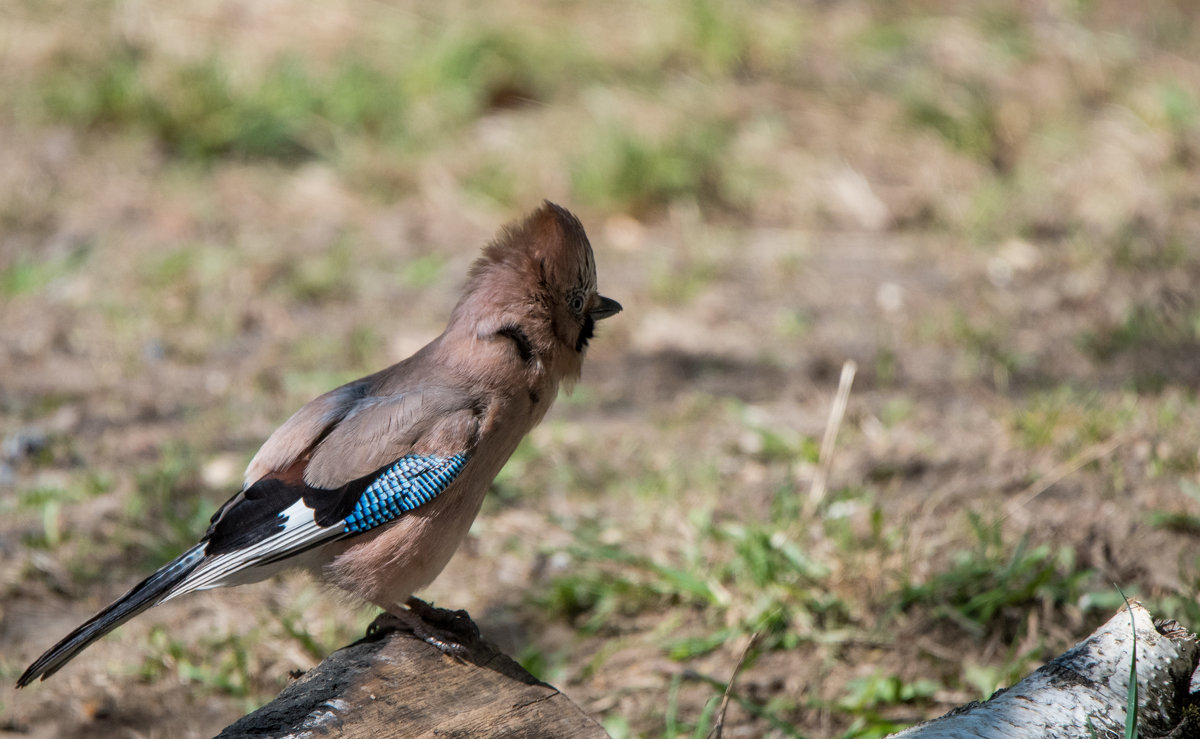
x: 394, y: 685
x: 1083, y: 692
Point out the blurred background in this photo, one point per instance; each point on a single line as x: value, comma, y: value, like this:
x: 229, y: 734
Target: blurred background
x: 212, y: 211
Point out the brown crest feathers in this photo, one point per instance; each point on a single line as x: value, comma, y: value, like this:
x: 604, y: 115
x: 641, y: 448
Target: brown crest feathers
x: 572, y: 229
x: 547, y: 249
x: 541, y: 234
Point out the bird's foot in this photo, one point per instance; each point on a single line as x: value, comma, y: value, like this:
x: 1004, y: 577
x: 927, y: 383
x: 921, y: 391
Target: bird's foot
x: 456, y: 622
x: 448, y: 631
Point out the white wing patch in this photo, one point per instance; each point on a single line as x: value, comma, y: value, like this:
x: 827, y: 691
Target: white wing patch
x: 300, y: 530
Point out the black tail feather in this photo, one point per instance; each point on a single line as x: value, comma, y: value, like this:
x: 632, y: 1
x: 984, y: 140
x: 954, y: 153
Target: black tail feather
x: 145, y: 594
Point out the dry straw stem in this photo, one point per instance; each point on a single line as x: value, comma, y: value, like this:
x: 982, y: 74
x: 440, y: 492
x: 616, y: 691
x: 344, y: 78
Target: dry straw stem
x: 816, y: 493
x: 719, y: 724
x: 1061, y: 472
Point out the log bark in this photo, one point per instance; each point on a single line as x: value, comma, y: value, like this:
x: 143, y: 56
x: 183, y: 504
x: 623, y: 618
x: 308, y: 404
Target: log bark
x: 1083, y: 692
x: 394, y: 685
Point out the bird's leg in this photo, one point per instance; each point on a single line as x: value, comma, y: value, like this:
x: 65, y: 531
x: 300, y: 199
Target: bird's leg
x: 442, y: 628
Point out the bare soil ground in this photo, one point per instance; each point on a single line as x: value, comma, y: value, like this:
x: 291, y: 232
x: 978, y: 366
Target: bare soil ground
x: 992, y: 212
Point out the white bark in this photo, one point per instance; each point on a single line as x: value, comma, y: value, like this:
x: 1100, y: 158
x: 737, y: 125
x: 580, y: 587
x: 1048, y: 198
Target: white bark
x: 1083, y: 692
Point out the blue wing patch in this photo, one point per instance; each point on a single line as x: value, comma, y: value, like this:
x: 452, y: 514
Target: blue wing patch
x: 413, y: 480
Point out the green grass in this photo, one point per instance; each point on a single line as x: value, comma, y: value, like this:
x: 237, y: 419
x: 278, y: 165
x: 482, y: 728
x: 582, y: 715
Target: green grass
x: 402, y: 94
x: 423, y: 271
x: 170, y: 509
x: 219, y: 664
x: 1181, y: 521
x: 1157, y: 338
x: 716, y: 37
x: 196, y: 112
x: 988, y: 350
x: 27, y: 274
x: 1068, y: 419
x: 751, y: 577
x: 866, y: 697
x: 325, y: 277
x: 995, y: 584
x: 639, y: 173
x: 1179, y: 107
x: 966, y: 118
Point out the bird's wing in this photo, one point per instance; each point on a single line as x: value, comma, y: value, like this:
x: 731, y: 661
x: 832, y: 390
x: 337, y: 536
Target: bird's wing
x: 377, y: 430
x: 307, y: 426
x: 371, y: 465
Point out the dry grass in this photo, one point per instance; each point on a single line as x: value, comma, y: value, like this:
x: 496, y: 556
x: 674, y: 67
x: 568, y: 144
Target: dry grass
x: 213, y: 211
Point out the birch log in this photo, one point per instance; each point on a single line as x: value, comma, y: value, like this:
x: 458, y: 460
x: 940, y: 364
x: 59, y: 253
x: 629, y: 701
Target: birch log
x: 1083, y: 692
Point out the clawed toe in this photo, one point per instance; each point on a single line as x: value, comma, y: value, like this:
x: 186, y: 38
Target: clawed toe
x: 384, y: 623
x: 448, y: 631
x: 458, y: 622
x: 443, y: 645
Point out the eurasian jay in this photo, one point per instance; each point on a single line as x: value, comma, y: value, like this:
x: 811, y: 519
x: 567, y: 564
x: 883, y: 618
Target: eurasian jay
x: 373, y: 485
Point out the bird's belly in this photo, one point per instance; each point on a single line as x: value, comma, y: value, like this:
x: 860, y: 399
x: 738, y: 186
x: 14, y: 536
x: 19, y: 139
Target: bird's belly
x: 386, y: 565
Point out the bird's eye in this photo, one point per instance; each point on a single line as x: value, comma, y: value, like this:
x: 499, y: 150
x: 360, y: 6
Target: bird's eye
x: 576, y: 304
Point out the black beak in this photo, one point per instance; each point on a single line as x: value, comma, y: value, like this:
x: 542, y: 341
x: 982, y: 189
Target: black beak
x: 604, y: 308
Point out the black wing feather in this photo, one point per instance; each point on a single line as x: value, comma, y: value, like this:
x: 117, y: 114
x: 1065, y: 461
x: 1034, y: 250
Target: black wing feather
x: 257, y: 513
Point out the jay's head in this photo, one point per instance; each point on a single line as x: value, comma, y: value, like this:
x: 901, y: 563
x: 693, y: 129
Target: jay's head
x: 533, y: 293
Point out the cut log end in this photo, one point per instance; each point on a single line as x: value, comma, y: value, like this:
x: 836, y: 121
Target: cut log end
x: 394, y: 685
